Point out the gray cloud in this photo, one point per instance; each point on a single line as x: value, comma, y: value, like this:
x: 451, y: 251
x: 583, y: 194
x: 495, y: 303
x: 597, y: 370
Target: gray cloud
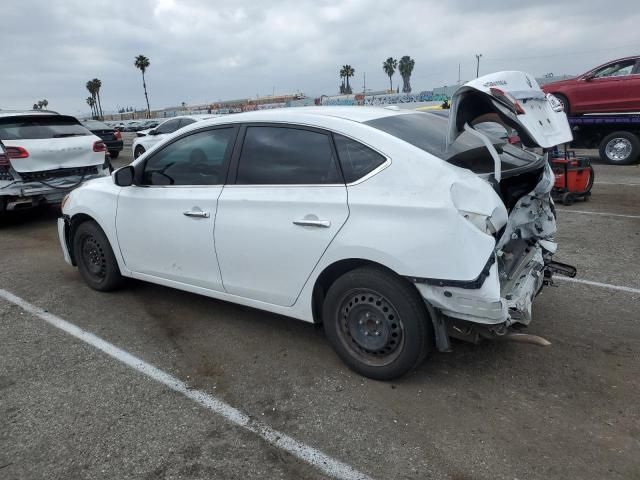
x: 202, y: 51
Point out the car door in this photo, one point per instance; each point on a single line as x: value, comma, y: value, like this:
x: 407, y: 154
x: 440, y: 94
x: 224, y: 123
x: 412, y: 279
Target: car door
x: 285, y: 204
x: 607, y: 89
x: 165, y: 221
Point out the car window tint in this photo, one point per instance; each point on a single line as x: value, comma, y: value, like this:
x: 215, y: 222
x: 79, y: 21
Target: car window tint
x: 32, y: 127
x: 169, y: 126
x: 193, y: 160
x: 357, y: 160
x: 285, y: 156
x: 616, y: 69
x: 186, y: 121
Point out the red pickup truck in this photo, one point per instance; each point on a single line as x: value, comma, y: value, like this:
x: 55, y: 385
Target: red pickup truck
x: 610, y: 88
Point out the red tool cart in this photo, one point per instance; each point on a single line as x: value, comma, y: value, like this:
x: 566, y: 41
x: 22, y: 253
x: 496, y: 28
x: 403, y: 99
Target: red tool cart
x: 574, y: 176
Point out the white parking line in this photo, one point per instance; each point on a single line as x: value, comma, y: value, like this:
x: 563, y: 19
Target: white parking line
x: 604, y: 214
x: 311, y: 455
x: 599, y: 284
x: 618, y: 183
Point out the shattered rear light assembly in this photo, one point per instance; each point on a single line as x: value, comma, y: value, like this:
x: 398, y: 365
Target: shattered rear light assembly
x: 508, y: 99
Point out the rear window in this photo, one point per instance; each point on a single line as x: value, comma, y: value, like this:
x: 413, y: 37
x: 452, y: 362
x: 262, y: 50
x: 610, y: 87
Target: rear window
x: 96, y: 125
x: 32, y: 127
x: 428, y: 131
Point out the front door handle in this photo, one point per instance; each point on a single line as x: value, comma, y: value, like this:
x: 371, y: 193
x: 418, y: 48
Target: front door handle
x: 196, y: 213
x: 307, y: 222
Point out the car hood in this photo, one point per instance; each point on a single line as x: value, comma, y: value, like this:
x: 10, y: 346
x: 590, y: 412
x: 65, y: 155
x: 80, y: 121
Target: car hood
x: 519, y: 102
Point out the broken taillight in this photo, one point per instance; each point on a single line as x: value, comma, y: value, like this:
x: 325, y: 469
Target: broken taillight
x: 508, y: 99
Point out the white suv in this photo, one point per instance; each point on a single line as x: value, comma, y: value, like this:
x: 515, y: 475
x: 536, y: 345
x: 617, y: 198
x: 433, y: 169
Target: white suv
x: 148, y: 138
x: 45, y: 155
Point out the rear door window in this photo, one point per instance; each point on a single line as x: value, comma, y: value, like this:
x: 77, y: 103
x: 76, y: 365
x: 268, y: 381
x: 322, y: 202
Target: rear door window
x: 286, y: 156
x: 356, y: 159
x: 186, y: 121
x: 169, y: 126
x: 197, y: 159
x: 33, y: 127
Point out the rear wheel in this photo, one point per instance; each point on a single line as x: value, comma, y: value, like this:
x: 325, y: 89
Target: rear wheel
x: 377, y: 323
x: 138, y: 151
x: 620, y: 148
x: 95, y: 259
x: 114, y: 153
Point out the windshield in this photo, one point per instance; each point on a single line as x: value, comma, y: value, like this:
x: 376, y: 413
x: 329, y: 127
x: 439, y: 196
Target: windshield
x: 32, y: 127
x: 428, y: 131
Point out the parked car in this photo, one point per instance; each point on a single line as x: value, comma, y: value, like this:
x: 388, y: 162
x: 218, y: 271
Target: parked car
x: 109, y: 135
x: 359, y: 218
x: 610, y: 88
x: 45, y: 156
x: 148, y: 138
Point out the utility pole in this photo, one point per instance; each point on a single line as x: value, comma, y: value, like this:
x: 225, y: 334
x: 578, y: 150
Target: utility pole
x: 458, y: 73
x: 478, y: 55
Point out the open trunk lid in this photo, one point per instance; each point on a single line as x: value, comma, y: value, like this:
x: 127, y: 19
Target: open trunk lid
x: 516, y: 98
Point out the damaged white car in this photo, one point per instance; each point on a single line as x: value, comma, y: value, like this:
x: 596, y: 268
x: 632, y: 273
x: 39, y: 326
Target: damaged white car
x: 44, y: 156
x: 393, y: 228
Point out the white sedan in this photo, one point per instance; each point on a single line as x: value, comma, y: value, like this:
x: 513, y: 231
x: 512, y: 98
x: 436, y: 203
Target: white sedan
x: 395, y: 229
x: 146, y: 139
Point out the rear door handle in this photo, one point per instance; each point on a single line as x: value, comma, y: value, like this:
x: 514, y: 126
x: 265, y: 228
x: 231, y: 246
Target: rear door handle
x: 196, y: 213
x: 312, y: 223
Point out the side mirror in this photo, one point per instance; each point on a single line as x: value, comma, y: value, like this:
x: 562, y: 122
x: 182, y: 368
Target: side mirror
x: 153, y: 132
x: 588, y: 77
x: 123, y: 177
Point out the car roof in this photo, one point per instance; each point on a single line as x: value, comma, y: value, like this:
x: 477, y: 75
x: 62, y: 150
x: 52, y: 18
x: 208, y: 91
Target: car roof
x: 22, y: 113
x: 310, y: 115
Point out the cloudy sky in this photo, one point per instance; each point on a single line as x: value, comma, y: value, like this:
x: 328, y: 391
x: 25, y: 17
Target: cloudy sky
x: 204, y: 50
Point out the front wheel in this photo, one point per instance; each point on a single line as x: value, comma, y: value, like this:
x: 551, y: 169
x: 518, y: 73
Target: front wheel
x: 95, y: 259
x: 620, y: 148
x: 377, y: 323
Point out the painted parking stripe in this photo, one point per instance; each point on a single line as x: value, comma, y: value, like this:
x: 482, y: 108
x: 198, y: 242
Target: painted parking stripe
x: 605, y: 214
x: 311, y: 455
x: 620, y: 288
x: 618, y: 183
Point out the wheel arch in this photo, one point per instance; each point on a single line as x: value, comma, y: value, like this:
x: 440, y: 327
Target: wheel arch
x: 71, y: 226
x: 332, y: 272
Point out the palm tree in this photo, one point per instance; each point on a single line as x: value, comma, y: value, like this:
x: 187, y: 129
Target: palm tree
x: 406, y: 68
x: 91, y: 87
x: 45, y: 103
x: 347, y: 71
x: 342, y: 86
x: 97, y: 84
x: 142, y: 63
x: 35, y: 106
x: 389, y: 67
x: 91, y: 102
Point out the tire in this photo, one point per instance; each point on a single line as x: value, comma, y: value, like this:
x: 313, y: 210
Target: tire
x: 114, y: 153
x: 567, y: 199
x: 93, y: 254
x: 377, y: 323
x: 620, y: 148
x: 565, y: 102
x: 138, y: 151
